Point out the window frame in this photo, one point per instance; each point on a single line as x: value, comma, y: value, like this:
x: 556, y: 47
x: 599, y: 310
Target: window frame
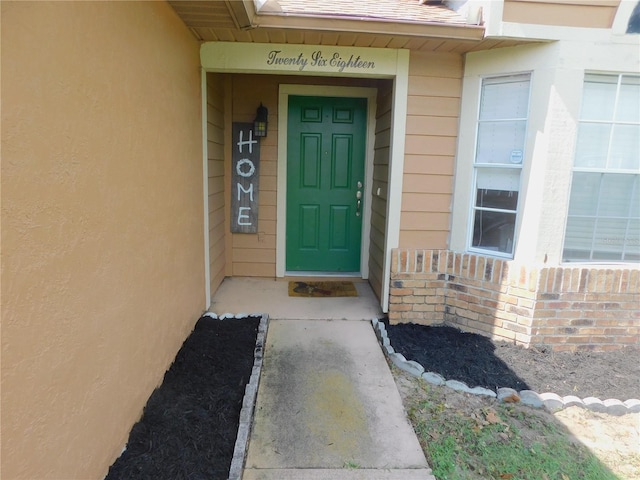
x: 477, y: 167
x: 601, y: 171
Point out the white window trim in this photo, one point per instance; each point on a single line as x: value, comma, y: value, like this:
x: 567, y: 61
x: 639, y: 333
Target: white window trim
x: 574, y: 169
x: 521, y: 167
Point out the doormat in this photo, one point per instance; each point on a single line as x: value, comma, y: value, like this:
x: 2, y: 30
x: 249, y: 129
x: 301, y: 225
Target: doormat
x: 322, y: 289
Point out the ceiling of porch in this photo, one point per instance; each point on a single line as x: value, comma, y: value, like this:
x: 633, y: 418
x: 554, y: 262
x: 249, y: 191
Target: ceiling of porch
x: 426, y: 26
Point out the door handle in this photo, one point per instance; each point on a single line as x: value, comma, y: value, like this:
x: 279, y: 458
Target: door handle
x: 358, y: 208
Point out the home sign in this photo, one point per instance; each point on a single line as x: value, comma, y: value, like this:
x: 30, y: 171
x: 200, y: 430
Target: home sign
x: 245, y: 172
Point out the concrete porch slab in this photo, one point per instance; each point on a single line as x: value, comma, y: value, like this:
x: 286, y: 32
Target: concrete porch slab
x: 260, y: 295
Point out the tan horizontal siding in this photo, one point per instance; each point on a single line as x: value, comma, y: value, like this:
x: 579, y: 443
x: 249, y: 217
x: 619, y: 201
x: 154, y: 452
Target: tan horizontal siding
x: 429, y: 144
x: 259, y: 240
x: 216, y: 220
x: 241, y: 269
x: 439, y: 65
x: 567, y: 13
x: 254, y: 255
x: 428, y: 184
x: 435, y: 88
x: 441, y: 126
x: 413, y: 239
x: 382, y: 144
x: 422, y: 221
x: 248, y: 91
x: 216, y: 184
x: 429, y: 164
x: 426, y: 202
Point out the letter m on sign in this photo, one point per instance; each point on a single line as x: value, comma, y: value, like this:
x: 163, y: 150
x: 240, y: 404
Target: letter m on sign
x: 245, y: 173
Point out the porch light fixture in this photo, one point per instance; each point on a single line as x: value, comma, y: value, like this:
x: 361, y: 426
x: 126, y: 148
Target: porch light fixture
x: 260, y: 123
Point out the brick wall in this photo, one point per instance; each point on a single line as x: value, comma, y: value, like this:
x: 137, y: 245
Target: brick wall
x: 567, y: 308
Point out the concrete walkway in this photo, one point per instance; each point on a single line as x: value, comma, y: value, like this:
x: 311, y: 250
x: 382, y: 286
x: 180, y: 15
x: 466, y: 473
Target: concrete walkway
x: 328, y: 408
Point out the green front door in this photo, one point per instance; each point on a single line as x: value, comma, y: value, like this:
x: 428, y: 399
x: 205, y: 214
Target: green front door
x: 325, y: 177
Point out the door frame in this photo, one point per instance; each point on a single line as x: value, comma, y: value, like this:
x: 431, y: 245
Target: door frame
x: 281, y: 218
x: 390, y: 63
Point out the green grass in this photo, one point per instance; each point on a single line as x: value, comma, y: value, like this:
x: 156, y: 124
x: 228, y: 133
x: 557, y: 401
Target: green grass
x: 498, y: 442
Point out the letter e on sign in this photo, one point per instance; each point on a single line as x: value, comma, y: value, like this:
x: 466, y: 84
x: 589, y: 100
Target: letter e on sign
x: 245, y: 174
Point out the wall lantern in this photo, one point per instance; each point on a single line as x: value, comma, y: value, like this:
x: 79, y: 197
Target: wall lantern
x: 260, y: 123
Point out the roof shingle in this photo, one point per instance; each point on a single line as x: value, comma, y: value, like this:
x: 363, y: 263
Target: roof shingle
x: 412, y: 11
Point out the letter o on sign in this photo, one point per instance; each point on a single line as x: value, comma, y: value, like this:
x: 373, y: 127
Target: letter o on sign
x: 241, y: 163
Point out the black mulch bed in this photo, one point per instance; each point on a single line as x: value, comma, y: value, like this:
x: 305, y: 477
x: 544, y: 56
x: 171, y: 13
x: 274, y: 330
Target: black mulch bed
x: 189, y: 425
x: 479, y: 361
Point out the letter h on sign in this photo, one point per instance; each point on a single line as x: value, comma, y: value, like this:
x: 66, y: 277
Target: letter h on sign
x: 245, y: 172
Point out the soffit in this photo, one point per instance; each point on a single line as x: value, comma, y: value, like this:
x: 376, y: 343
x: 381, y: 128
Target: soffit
x: 393, y: 24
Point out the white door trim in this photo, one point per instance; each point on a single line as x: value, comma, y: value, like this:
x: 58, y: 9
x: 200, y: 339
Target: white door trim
x: 283, y: 115
x: 205, y: 190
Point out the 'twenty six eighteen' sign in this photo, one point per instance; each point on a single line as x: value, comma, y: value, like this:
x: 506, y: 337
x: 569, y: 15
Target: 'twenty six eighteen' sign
x: 303, y: 59
x: 245, y: 161
x: 329, y: 61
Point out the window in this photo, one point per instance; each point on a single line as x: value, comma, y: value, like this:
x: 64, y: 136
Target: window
x: 502, y: 126
x: 603, y: 223
x: 634, y: 20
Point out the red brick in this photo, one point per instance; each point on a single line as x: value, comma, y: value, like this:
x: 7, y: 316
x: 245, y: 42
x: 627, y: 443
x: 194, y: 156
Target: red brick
x: 615, y: 331
x: 514, y: 327
x: 504, y: 276
x: 575, y: 279
x: 556, y: 305
x: 577, y: 339
x: 504, y: 333
x: 490, y: 303
x: 556, y: 322
x: 592, y: 283
x: 601, y: 339
x: 543, y: 331
x: 482, y: 310
x: 473, y: 259
x: 413, y: 299
x: 631, y: 339
x: 424, y: 307
x: 400, y: 291
x: 480, y: 265
x: 523, y: 339
x: 566, y: 280
x: 634, y: 281
x: 564, y: 348
x: 510, y: 317
x: 404, y: 307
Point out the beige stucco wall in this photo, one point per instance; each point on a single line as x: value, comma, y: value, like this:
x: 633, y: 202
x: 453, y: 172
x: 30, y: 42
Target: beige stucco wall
x: 102, y: 225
